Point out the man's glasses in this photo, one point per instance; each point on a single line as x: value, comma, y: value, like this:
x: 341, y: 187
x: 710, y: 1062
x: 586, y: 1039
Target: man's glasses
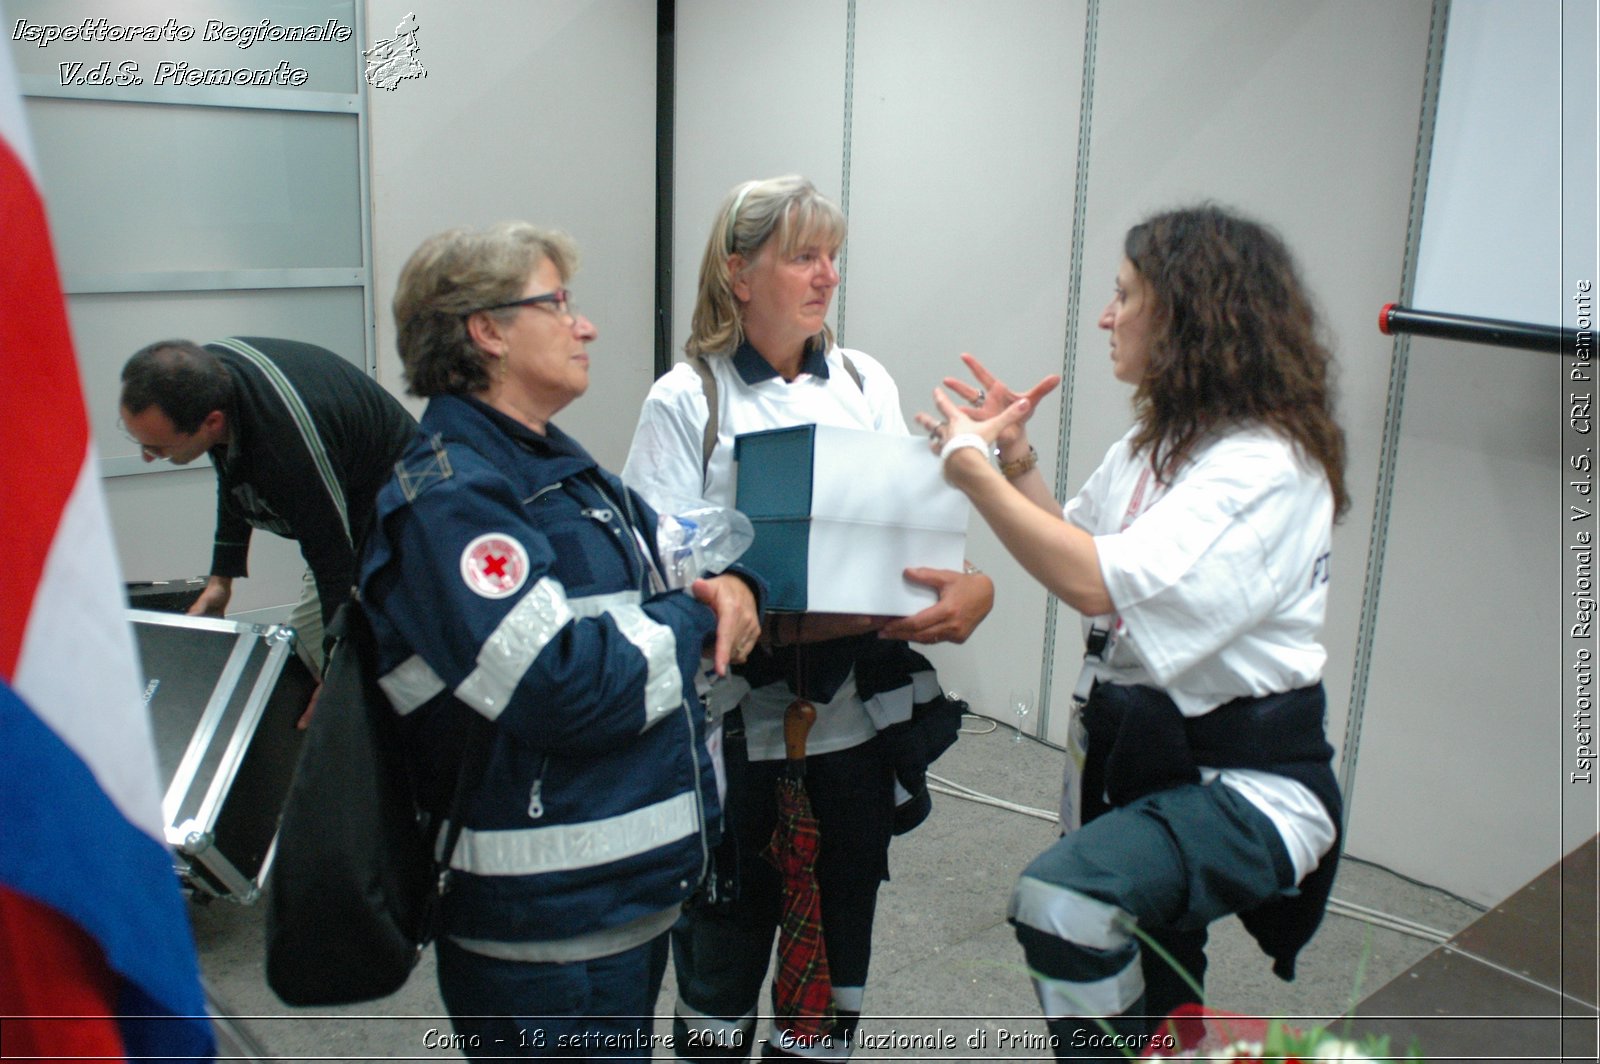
x: 153, y: 453
x: 560, y: 300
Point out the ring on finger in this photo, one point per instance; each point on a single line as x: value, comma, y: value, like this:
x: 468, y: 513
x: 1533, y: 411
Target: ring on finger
x: 978, y: 400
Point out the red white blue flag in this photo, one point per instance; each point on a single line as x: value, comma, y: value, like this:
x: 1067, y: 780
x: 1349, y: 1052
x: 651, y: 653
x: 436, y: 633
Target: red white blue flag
x: 96, y: 954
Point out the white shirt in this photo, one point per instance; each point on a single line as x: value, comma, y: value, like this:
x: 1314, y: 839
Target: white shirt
x: 1221, y: 585
x: 664, y: 465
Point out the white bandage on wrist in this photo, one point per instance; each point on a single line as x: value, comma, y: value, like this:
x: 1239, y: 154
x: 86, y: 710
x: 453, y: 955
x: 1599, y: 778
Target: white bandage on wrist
x: 965, y: 439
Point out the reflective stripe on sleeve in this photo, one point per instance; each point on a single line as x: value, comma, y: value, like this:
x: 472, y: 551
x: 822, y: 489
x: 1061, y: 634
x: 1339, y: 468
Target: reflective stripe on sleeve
x: 891, y: 707
x: 410, y: 684
x: 849, y: 998
x: 714, y: 1026
x: 568, y: 847
x: 512, y: 647
x: 663, y: 685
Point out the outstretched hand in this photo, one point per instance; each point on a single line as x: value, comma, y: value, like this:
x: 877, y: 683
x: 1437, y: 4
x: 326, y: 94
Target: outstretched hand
x: 959, y: 420
x: 992, y: 396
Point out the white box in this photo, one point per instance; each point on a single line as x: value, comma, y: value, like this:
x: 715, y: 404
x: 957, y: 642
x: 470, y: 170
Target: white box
x: 840, y: 513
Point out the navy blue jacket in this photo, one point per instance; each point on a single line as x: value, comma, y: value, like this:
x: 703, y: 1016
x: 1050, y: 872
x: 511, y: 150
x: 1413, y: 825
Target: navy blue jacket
x: 504, y: 577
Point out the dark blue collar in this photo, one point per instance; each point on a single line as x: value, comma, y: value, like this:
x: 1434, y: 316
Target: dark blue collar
x: 464, y: 417
x: 753, y: 369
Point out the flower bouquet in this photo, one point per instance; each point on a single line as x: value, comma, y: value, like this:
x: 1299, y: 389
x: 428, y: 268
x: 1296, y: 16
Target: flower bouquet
x: 1199, y: 1033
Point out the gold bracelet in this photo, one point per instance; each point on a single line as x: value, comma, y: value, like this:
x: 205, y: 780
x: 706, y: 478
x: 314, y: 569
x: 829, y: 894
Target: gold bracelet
x: 1015, y: 468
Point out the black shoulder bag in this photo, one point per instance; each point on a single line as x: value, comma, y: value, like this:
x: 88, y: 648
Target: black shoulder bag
x: 354, y: 888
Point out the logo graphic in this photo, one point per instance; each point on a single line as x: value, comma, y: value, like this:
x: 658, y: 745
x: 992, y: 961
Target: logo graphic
x: 393, y: 61
x: 494, y: 565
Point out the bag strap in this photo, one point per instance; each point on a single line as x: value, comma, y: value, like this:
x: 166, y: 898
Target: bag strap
x: 304, y: 423
x: 855, y: 374
x: 474, y: 760
x: 708, y: 384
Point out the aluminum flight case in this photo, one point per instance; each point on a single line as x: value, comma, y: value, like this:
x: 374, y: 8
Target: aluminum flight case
x: 224, y: 698
x: 167, y: 596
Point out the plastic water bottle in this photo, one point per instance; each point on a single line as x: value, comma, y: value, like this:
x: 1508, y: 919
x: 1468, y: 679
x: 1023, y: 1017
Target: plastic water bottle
x: 704, y: 540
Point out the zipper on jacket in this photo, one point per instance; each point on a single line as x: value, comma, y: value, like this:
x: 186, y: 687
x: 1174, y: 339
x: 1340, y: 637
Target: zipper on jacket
x: 536, y: 793
x: 542, y: 491
x: 695, y: 747
x: 650, y: 579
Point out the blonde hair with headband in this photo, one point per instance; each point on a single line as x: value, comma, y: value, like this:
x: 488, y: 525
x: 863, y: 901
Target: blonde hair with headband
x: 787, y: 209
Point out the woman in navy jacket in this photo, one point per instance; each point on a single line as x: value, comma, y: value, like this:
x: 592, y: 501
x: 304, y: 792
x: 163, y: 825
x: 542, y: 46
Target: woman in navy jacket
x: 511, y: 578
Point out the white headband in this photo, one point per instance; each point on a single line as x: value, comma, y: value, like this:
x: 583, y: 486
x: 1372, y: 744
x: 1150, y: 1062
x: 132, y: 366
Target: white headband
x: 733, y: 215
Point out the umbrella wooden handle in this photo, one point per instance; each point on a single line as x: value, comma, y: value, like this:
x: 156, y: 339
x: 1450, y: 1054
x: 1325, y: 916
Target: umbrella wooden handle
x: 797, y: 722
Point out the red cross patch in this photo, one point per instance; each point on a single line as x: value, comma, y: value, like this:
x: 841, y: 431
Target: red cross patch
x: 494, y: 565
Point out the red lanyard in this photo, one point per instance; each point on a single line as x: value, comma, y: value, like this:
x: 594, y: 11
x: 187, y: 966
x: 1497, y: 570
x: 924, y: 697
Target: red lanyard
x: 1135, y: 508
x: 1136, y: 504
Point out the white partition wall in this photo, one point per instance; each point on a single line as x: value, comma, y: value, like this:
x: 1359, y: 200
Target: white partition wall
x: 964, y: 152
x: 543, y: 112
x: 760, y: 91
x: 990, y: 182
x: 1257, y: 106
x: 1468, y: 747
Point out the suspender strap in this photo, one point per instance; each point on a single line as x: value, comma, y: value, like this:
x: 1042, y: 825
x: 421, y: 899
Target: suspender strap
x: 708, y: 384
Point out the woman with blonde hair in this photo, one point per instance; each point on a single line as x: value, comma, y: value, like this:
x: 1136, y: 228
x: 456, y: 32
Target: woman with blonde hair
x: 761, y: 356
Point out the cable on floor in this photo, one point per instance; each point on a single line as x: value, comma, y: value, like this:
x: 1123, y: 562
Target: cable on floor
x: 964, y: 730
x: 941, y: 785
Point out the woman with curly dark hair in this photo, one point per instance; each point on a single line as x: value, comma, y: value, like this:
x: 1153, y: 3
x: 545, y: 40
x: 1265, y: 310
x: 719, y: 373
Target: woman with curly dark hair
x: 1200, y: 782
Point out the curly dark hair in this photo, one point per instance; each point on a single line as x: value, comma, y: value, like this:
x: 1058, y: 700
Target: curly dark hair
x: 1234, y: 340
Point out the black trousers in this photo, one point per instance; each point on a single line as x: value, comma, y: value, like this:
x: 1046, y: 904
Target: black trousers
x: 721, y: 953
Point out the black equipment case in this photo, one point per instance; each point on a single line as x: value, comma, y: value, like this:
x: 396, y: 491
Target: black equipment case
x: 224, y: 698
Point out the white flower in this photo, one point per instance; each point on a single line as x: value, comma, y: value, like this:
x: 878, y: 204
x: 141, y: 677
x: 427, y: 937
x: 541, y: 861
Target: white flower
x: 1330, y: 1050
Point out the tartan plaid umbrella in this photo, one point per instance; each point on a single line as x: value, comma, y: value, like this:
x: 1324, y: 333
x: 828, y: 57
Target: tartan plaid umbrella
x: 802, y: 989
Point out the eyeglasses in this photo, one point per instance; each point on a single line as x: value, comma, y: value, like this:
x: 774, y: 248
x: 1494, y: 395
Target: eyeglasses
x: 148, y: 451
x: 560, y: 300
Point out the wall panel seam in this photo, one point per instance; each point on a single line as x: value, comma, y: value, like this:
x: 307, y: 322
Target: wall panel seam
x: 1389, y: 449
x: 844, y: 179
x: 243, y: 98
x: 1080, y: 196
x: 369, y: 299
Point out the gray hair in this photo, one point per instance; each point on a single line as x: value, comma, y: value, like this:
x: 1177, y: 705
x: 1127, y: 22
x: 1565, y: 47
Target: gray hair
x: 451, y: 275
x: 787, y: 209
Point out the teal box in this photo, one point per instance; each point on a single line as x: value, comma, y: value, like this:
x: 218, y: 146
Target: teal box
x: 839, y: 514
